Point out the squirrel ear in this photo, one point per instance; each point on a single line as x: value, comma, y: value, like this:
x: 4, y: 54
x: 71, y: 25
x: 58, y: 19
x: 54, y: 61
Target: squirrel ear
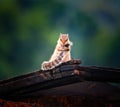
x: 60, y: 35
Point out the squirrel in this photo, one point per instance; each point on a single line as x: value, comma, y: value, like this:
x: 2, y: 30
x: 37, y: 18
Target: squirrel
x: 61, y: 53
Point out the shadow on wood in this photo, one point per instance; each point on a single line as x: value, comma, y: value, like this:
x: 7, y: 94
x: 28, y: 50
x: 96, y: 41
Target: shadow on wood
x: 68, y: 79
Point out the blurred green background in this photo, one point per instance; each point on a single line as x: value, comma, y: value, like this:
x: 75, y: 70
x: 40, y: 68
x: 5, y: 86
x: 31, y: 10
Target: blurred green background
x: 29, y: 30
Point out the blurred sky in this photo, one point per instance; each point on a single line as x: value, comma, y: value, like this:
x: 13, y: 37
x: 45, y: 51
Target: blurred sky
x: 29, y: 30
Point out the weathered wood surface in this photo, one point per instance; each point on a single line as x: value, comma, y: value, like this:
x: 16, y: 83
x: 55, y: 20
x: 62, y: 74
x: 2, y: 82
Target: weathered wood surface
x: 37, y: 78
x: 67, y: 73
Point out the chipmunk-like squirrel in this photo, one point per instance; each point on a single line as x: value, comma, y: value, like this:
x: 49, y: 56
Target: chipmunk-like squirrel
x: 61, y: 53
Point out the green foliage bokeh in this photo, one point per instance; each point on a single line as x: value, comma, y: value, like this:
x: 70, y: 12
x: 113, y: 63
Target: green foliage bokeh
x: 29, y: 30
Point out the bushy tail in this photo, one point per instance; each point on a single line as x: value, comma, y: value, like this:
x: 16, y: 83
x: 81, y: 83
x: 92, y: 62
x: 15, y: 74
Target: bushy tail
x: 47, y: 65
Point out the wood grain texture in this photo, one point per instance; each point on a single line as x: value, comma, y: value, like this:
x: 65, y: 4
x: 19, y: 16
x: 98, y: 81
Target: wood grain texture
x: 68, y: 79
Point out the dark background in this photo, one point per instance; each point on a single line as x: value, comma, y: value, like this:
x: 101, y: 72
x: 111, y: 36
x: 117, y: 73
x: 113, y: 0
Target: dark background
x: 29, y: 30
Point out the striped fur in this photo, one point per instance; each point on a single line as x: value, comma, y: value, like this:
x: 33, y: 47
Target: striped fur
x: 47, y: 65
x: 61, y: 53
